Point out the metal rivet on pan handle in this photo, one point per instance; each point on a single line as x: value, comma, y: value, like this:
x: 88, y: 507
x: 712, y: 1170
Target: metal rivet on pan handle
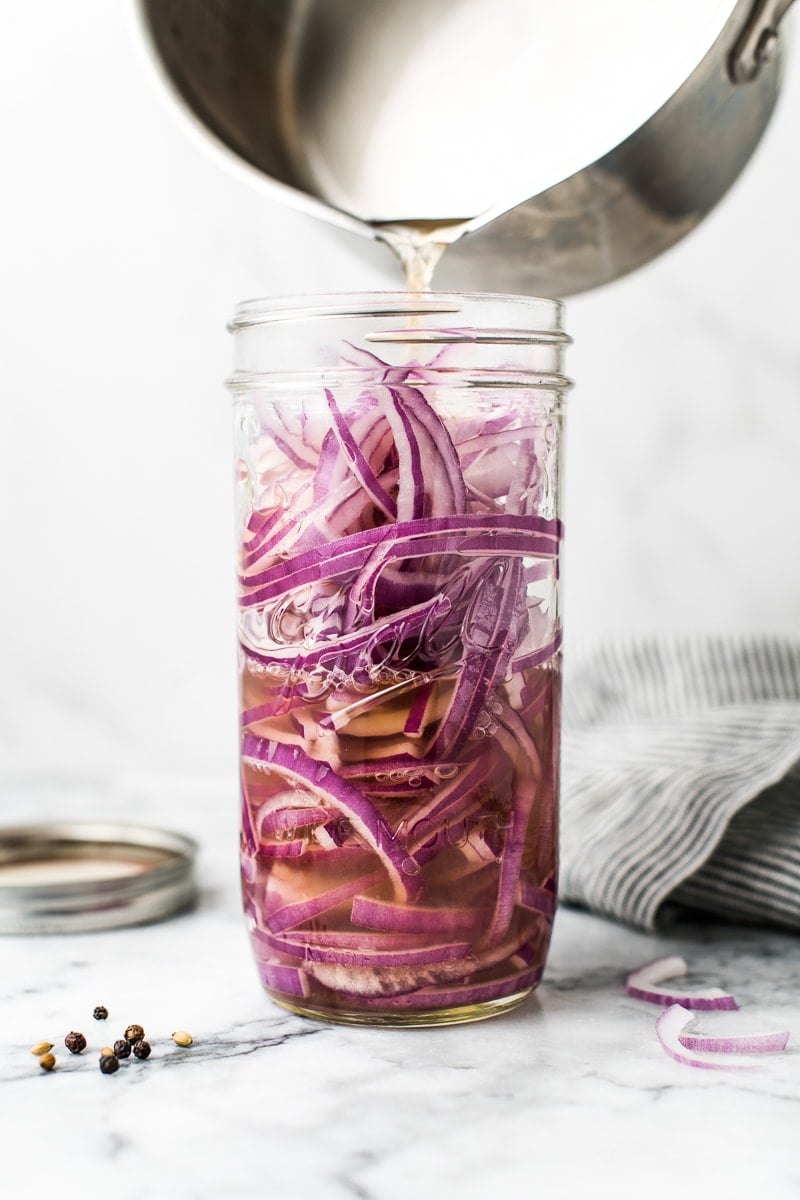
x: 758, y: 41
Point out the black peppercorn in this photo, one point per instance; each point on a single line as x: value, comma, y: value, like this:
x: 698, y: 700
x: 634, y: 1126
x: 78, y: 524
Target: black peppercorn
x: 141, y: 1049
x: 75, y: 1042
x: 109, y: 1063
x: 100, y: 1013
x: 122, y: 1048
x: 134, y: 1033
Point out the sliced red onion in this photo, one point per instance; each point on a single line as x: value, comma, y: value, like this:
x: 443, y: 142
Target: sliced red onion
x: 751, y: 1043
x: 248, y: 833
x: 450, y: 804
x: 297, y: 453
x: 432, y: 847
x: 295, y: 764
x: 669, y: 1028
x: 264, y: 524
x: 248, y: 865
x: 291, y: 849
x: 342, y: 939
x: 364, y: 427
x: 398, y: 765
x: 274, y: 530
x: 287, y: 820
x: 535, y: 658
x: 529, y: 953
x: 461, y: 995
x: 300, y: 911
x: 523, y: 753
x: 522, y: 534
x: 443, y: 473
x: 522, y: 487
x: 311, y: 571
x: 342, y: 717
x: 312, y: 568
x: 387, y: 982
x: 474, y: 448
x: 404, y: 790
x: 412, y: 918
x: 419, y: 706
x: 411, y: 490
x: 369, y: 585
x: 490, y: 634
x: 538, y: 899
x: 292, y: 981
x: 642, y: 985
x: 339, y: 652
x: 368, y: 957
x: 362, y: 469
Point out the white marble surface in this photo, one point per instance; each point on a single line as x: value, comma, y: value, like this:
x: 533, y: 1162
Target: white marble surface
x: 569, y: 1096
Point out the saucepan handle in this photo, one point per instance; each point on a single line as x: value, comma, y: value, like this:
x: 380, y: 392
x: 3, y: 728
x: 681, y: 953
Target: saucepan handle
x: 758, y: 41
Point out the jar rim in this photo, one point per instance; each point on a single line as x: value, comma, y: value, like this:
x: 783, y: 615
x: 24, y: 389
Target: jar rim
x: 297, y: 307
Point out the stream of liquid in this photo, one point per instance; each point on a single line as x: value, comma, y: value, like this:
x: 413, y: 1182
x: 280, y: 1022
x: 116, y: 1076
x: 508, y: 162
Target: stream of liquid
x: 419, y: 246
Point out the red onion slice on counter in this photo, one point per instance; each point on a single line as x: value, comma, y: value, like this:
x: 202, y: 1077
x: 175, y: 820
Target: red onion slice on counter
x: 642, y: 984
x: 749, y: 1043
x: 670, y: 1026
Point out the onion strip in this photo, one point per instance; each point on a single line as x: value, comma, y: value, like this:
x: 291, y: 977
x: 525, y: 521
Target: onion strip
x: 642, y: 984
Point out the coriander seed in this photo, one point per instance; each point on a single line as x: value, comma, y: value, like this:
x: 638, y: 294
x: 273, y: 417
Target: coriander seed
x: 100, y: 1013
x: 134, y: 1033
x: 75, y: 1042
x: 181, y: 1038
x: 109, y: 1063
x: 141, y: 1049
x: 41, y: 1048
x: 47, y: 1062
x: 122, y: 1048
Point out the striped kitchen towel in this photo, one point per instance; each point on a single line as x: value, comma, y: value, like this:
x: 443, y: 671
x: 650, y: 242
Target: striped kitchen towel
x: 681, y: 780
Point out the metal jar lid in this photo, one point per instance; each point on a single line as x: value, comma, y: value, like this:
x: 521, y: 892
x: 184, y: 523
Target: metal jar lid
x: 80, y: 877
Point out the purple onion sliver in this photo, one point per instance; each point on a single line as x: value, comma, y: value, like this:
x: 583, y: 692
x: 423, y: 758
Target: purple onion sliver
x: 367, y: 821
x: 460, y: 995
x: 537, y: 898
x: 291, y: 915
x: 362, y: 469
x: 344, y: 939
x: 418, y: 708
x: 525, y: 662
x: 462, y: 524
x: 412, y: 918
x: 669, y: 1029
x: 292, y: 981
x: 432, y: 768
x: 360, y: 959
x: 643, y: 983
x: 521, y: 750
x: 752, y: 1043
x: 248, y: 833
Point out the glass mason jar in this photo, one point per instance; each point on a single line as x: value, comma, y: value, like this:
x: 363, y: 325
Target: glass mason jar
x: 398, y: 527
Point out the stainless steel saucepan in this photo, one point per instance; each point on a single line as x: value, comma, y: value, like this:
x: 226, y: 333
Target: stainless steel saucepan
x: 557, y: 145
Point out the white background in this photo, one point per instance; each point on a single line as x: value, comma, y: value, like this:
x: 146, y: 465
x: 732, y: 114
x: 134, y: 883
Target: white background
x: 124, y: 249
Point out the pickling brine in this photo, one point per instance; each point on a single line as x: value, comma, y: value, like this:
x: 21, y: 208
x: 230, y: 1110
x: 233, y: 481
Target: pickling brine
x: 399, y: 640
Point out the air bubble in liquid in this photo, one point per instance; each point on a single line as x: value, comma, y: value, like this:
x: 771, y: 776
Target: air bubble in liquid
x: 445, y: 772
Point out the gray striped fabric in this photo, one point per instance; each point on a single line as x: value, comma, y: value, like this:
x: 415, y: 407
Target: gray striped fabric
x: 681, y: 780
